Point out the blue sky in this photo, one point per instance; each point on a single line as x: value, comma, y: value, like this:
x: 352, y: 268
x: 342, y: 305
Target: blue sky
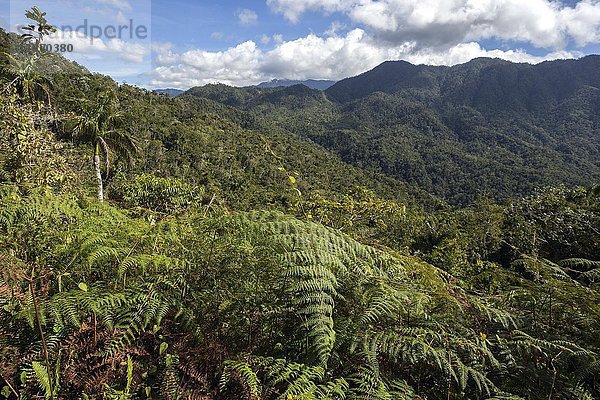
x: 245, y: 42
x: 194, y: 24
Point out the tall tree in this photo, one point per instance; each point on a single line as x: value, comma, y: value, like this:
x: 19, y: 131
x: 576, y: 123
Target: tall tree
x: 98, y: 123
x: 25, y: 77
x: 23, y: 69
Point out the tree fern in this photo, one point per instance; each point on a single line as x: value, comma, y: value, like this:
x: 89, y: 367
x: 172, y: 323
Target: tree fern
x: 269, y: 378
x: 320, y: 315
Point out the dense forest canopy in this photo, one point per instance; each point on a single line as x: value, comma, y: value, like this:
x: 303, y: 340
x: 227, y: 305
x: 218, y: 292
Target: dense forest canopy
x: 286, y: 243
x: 487, y: 127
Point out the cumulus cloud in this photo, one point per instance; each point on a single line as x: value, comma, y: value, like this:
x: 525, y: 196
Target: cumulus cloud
x: 314, y: 57
x: 246, y: 16
x: 293, y: 9
x: 238, y: 65
x: 82, y: 44
x: 130, y: 52
x: 582, y: 23
x: 434, y: 32
x: 543, y: 23
x: 164, y: 54
x: 330, y: 57
x: 465, y: 52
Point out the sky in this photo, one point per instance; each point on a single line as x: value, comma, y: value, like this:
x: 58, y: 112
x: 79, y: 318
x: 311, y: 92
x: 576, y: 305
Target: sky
x: 186, y: 43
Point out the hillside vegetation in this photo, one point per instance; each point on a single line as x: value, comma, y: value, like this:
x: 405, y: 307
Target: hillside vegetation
x: 208, y: 247
x: 487, y: 127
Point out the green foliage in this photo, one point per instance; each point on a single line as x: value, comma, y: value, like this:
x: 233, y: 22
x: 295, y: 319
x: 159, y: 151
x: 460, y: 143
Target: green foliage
x: 363, y: 215
x: 29, y: 151
x: 556, y: 222
x: 286, y: 281
x: 167, y: 195
x: 24, y: 70
x: 282, y: 380
x: 98, y: 123
x: 355, y: 321
x: 39, y: 29
x: 487, y: 127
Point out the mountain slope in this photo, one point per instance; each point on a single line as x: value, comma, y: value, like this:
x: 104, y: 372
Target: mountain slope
x: 209, y: 144
x: 389, y: 77
x: 487, y: 127
x: 310, y: 83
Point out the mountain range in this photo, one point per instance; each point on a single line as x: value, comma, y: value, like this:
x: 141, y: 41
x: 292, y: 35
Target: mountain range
x: 485, y: 128
x: 311, y: 83
x: 275, y: 83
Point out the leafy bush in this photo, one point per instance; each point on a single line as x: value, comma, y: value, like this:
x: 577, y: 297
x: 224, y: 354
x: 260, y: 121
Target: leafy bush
x: 167, y: 195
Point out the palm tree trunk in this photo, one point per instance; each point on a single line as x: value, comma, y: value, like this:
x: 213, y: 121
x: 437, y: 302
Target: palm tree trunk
x: 98, y: 173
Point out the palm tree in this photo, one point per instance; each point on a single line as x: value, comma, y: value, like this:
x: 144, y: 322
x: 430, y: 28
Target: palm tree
x: 98, y: 124
x: 29, y: 83
x: 23, y: 69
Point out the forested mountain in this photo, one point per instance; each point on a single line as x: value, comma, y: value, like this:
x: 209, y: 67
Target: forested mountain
x: 311, y: 83
x: 486, y: 127
x: 491, y: 86
x: 210, y: 246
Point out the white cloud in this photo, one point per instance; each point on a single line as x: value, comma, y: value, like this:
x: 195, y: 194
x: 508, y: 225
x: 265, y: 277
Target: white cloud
x: 582, y: 22
x: 328, y: 58
x: 246, y: 16
x: 333, y: 57
x: 543, y: 23
x: 130, y: 52
x: 237, y: 65
x: 466, y: 52
x: 293, y: 9
x: 82, y: 44
x: 334, y: 28
x: 164, y: 54
x: 265, y: 39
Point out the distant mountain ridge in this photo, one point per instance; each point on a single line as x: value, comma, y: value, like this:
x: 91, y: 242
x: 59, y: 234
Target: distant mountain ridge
x: 486, y: 127
x: 311, y: 83
x: 170, y: 92
x: 480, y: 79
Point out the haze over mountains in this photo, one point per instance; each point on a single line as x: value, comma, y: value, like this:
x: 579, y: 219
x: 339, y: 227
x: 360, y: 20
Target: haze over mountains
x: 485, y: 127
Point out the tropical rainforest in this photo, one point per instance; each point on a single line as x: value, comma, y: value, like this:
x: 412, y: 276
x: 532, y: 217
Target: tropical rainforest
x: 487, y: 127
x: 412, y: 233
